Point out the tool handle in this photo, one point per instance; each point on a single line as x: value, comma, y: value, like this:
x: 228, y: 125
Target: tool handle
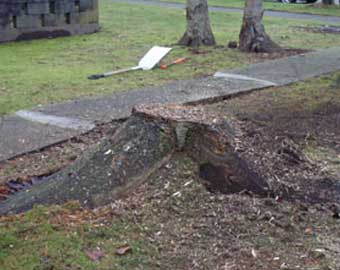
x: 177, y: 61
x: 110, y: 73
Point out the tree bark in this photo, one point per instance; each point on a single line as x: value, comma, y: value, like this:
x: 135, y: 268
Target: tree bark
x: 253, y: 37
x: 198, y: 25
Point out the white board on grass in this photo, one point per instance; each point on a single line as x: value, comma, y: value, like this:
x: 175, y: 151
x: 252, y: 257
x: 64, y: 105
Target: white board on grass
x: 153, y: 57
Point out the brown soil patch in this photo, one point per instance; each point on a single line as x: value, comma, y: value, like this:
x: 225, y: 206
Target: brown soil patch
x: 17, y: 173
x: 278, y: 128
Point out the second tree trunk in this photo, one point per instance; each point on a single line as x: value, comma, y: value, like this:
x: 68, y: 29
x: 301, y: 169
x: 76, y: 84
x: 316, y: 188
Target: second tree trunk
x: 253, y: 37
x: 198, y: 25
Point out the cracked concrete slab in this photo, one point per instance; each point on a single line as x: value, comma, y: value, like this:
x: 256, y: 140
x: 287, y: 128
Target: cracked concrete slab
x: 19, y: 136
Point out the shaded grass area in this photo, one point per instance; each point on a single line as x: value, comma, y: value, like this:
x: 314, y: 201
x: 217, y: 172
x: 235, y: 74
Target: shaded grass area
x: 49, y: 71
x: 272, y: 5
x: 173, y: 222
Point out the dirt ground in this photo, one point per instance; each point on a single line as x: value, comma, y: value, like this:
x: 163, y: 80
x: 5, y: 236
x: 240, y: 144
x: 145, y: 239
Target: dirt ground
x: 291, y: 135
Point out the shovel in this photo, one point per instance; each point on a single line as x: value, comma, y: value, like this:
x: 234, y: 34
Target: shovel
x: 148, y: 62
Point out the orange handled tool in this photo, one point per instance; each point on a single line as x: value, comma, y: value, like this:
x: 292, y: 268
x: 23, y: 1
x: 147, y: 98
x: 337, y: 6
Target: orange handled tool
x: 177, y: 61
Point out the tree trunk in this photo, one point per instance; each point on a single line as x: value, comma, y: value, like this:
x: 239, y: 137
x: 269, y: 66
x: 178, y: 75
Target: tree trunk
x: 253, y: 37
x: 198, y: 25
x: 146, y: 141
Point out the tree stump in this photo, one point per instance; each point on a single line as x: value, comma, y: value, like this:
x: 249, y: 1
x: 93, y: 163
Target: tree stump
x: 141, y: 146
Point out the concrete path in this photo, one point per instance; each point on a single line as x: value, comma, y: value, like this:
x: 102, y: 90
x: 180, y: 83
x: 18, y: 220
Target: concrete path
x: 290, y: 69
x: 30, y: 130
x: 269, y: 13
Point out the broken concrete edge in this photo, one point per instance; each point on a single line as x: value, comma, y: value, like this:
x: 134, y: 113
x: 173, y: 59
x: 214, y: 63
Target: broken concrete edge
x: 220, y: 98
x: 224, y: 75
x: 145, y: 142
x: 62, y: 122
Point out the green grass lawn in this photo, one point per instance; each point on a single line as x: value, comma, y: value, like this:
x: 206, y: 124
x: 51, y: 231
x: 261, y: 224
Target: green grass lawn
x: 40, y: 241
x: 271, y: 5
x: 55, y: 70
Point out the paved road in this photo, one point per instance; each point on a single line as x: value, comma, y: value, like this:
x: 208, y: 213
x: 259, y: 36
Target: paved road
x: 270, y: 13
x: 30, y: 130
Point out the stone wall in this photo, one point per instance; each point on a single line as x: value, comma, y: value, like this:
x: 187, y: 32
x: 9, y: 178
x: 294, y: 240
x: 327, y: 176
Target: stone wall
x: 31, y: 19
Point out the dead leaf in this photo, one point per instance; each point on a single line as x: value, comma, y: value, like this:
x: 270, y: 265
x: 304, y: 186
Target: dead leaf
x: 95, y: 255
x: 123, y: 250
